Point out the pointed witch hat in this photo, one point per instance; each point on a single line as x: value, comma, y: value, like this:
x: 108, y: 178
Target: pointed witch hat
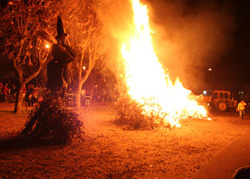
x: 60, y: 30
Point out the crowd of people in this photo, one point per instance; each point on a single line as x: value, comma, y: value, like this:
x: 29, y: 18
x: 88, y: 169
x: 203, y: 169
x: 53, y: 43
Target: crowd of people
x: 33, y: 94
x: 94, y: 95
x: 7, y: 92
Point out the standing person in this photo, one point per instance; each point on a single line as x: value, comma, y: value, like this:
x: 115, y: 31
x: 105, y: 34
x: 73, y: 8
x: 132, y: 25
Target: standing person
x: 241, y: 108
x: 87, y: 99
x: 29, y: 95
x: 83, y: 92
x: 1, y: 92
x: 104, y: 97
x: 12, y: 93
x: 70, y: 98
x: 5, y: 92
x: 57, y: 70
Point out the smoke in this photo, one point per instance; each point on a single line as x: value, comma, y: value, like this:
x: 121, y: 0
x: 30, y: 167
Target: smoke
x: 116, y: 18
x: 188, y: 37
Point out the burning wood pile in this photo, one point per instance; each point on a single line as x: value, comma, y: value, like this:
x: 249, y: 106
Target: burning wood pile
x: 148, y: 84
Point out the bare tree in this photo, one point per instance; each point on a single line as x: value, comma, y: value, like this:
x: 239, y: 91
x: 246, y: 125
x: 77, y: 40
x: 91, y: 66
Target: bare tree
x: 20, y: 19
x: 85, y: 33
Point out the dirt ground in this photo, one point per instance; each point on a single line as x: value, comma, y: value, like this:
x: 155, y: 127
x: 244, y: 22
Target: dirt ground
x: 110, y: 152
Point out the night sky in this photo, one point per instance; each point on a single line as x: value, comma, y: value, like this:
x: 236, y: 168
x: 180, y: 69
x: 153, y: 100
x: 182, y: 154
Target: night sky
x: 225, y: 42
x: 240, y: 58
x: 236, y: 62
x: 230, y: 64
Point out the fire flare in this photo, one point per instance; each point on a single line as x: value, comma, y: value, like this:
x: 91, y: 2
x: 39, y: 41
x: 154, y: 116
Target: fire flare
x: 148, y: 83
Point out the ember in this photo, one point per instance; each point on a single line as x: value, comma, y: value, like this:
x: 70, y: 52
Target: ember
x: 147, y: 81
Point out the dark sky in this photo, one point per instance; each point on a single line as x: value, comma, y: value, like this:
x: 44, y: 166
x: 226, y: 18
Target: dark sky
x: 229, y: 57
x: 227, y: 51
x: 234, y: 66
x: 240, y: 57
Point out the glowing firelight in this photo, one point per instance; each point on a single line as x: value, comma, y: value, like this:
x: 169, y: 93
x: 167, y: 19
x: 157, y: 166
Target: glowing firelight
x: 47, y: 46
x: 148, y: 83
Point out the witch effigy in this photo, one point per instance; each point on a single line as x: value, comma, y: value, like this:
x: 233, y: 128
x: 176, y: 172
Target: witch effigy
x: 50, y: 120
x: 58, y: 74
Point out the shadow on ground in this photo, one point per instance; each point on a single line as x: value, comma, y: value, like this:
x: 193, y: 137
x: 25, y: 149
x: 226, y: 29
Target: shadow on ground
x: 19, y: 144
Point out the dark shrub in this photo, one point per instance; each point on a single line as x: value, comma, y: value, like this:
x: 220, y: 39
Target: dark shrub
x: 50, y: 121
x: 131, y: 115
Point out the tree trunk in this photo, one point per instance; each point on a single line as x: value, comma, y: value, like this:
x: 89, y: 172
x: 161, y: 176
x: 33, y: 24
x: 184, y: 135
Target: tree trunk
x: 78, y: 98
x: 78, y: 95
x: 19, y: 99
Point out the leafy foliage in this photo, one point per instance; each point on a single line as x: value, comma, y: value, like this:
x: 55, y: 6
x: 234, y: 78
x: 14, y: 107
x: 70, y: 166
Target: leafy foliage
x: 87, y: 37
x: 19, y: 41
x: 129, y: 115
x: 132, y: 115
x: 50, y: 121
x: 20, y: 21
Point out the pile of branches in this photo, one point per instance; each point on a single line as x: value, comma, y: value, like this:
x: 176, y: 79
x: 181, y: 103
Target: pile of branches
x: 131, y: 115
x: 51, y: 122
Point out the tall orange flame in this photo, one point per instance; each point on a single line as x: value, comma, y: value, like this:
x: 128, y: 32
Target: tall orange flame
x: 148, y: 83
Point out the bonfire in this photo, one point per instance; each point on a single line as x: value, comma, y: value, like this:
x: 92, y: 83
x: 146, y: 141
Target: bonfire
x: 148, y: 83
